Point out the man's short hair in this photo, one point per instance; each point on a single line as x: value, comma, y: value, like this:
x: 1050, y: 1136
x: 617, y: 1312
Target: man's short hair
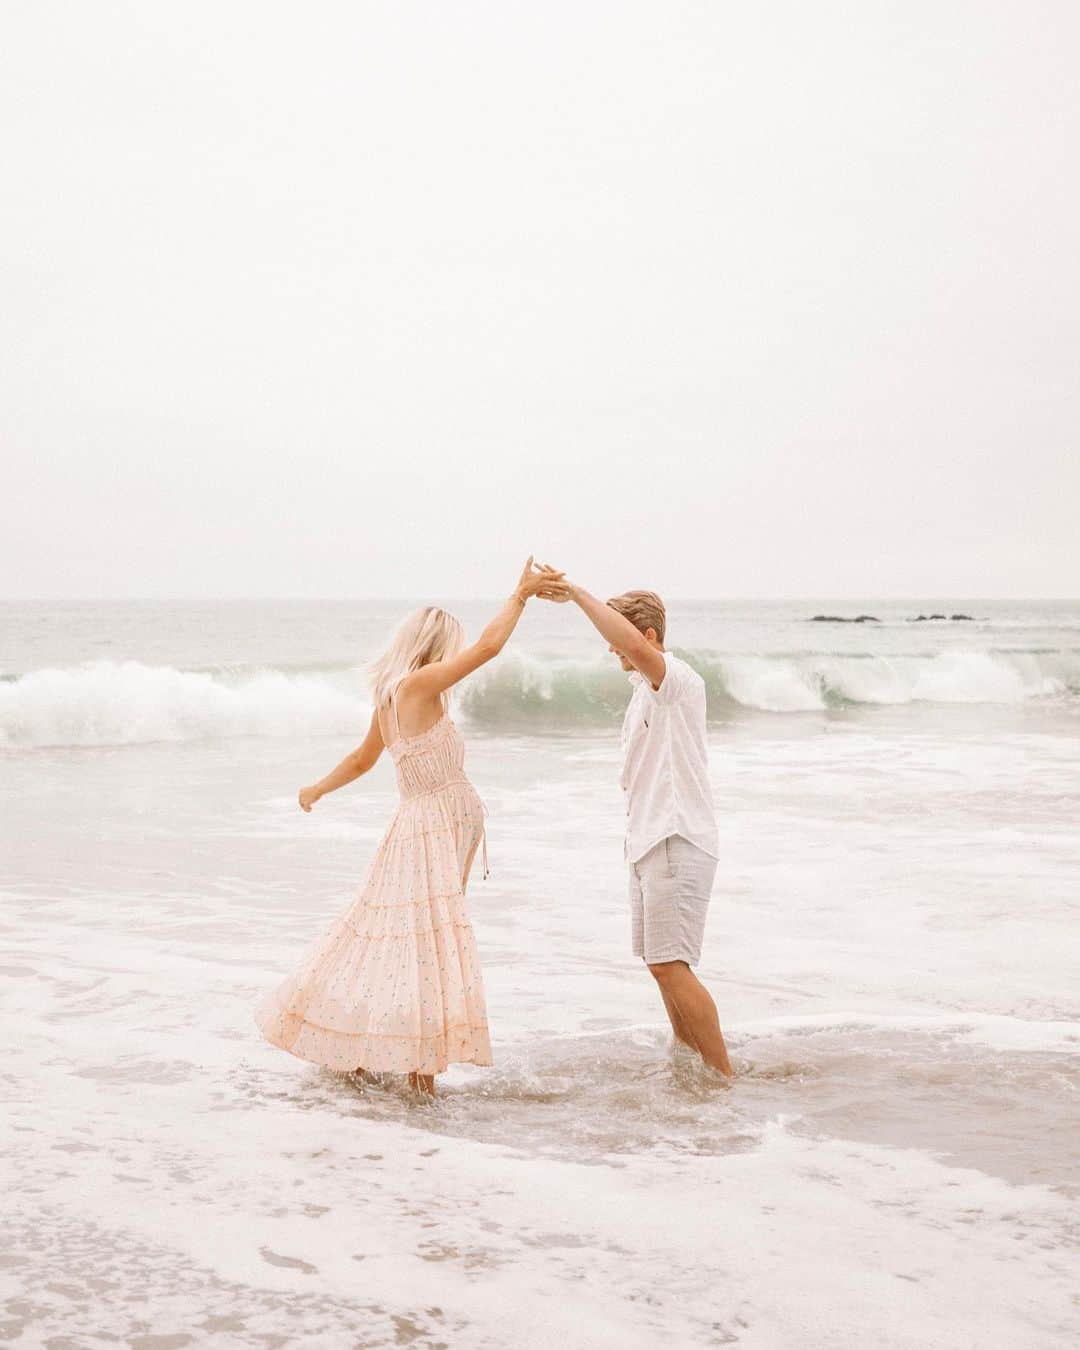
x: 644, y: 609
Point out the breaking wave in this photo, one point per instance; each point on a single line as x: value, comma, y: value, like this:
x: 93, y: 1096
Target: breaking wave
x: 124, y: 703
x: 128, y: 703
x: 813, y: 681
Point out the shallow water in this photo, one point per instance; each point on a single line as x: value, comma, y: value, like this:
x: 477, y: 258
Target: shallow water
x: 892, y: 945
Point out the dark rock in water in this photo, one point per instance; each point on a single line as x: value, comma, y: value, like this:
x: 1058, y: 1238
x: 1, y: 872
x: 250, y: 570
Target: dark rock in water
x: 867, y: 618
x: 921, y: 619
x: 968, y: 617
x: 937, y: 616
x: 839, y: 618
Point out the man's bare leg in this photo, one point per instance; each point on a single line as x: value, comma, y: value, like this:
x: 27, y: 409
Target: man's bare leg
x: 678, y: 1026
x: 424, y: 1083
x: 697, y: 1011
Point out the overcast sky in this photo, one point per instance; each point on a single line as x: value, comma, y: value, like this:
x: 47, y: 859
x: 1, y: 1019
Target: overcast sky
x: 775, y: 299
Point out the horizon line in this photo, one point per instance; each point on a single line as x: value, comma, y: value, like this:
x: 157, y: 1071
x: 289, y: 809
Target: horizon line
x: 942, y: 597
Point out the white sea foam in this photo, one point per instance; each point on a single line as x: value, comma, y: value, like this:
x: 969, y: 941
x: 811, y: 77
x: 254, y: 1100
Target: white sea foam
x: 811, y: 681
x: 771, y: 685
x: 993, y: 1031
x: 110, y: 703
x: 129, y: 702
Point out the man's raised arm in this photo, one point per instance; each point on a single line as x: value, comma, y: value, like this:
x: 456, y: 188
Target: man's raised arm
x: 643, y: 654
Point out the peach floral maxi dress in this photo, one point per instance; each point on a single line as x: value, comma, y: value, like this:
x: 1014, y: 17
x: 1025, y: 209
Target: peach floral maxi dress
x: 394, y: 984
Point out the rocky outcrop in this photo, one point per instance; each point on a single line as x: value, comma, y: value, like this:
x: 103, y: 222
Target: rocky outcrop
x: 872, y: 618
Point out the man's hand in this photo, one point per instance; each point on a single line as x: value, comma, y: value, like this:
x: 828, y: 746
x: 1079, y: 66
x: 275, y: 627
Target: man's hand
x: 556, y: 587
x: 544, y: 581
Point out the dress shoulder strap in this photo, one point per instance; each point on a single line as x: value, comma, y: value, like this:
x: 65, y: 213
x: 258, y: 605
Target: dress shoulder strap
x: 391, y: 717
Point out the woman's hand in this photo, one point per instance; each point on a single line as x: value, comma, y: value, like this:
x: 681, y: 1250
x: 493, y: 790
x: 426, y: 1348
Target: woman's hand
x: 544, y: 581
x: 439, y: 676
x: 560, y: 591
x: 308, y: 797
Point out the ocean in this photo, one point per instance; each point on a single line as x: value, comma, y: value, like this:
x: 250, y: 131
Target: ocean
x: 892, y: 946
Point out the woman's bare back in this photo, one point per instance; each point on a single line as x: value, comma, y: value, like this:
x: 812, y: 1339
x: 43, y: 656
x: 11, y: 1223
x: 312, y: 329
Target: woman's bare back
x: 410, y: 714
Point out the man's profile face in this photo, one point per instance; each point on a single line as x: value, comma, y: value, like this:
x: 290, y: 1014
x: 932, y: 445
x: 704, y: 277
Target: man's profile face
x: 626, y: 665
x: 650, y: 636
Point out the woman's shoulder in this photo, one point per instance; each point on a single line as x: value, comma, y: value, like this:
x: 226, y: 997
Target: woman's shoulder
x: 411, y: 692
x: 411, y: 706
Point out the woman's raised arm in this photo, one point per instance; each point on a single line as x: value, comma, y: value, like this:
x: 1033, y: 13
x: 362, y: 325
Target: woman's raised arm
x: 439, y: 676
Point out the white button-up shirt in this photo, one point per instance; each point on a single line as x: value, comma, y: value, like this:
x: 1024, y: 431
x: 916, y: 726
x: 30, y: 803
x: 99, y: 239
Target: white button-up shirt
x: 666, y: 762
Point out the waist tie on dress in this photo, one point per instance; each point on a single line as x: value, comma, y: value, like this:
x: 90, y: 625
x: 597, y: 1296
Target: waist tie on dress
x: 430, y: 792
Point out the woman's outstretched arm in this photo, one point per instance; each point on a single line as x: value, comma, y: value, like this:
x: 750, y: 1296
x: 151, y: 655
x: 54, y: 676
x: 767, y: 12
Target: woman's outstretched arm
x: 350, y: 768
x: 436, y: 678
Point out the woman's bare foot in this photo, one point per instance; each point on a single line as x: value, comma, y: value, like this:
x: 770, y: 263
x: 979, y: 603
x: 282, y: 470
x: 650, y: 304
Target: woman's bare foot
x: 423, y: 1083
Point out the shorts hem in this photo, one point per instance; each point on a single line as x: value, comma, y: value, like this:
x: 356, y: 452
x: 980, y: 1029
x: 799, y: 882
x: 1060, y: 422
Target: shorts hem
x: 652, y: 959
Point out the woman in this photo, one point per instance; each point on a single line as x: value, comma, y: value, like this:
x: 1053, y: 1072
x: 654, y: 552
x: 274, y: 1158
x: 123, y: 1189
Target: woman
x: 394, y: 984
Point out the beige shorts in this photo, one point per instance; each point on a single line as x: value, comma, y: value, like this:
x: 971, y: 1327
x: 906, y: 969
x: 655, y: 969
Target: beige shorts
x: 669, y: 899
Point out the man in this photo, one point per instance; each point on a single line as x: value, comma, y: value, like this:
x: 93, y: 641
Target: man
x: 671, y: 843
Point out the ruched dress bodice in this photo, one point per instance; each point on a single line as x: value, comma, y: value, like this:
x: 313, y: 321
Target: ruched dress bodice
x: 431, y: 769
x: 430, y: 761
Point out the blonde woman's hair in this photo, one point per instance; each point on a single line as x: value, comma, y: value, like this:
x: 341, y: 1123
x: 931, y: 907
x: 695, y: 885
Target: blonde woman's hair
x: 644, y: 609
x: 427, y: 635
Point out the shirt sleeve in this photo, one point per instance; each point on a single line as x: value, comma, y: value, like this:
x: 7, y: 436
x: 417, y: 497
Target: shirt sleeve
x: 673, y: 686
